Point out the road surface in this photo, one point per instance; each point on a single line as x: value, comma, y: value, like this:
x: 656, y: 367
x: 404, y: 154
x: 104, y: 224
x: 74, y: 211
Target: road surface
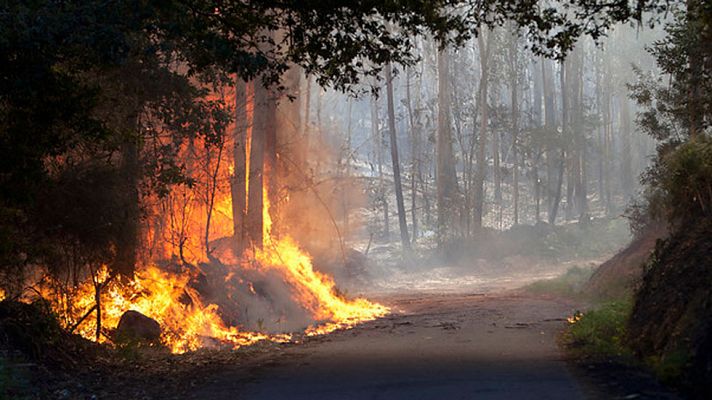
x: 433, y: 346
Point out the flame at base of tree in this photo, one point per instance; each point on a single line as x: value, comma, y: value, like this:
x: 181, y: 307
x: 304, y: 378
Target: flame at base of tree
x: 186, y: 221
x: 187, y: 323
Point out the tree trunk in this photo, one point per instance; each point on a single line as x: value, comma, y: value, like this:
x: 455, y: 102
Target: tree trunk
x: 378, y: 142
x: 445, y: 167
x: 414, y: 156
x: 484, y: 121
x: 238, y: 187
x: 626, y: 131
x: 347, y: 172
x: 306, y: 123
x: 254, y: 223
x: 552, y: 162
x: 405, y: 240
x: 580, y: 137
x: 127, y: 243
x: 514, y: 86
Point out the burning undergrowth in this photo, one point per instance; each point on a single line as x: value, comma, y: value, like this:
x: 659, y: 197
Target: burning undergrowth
x: 218, y: 265
x: 268, y: 294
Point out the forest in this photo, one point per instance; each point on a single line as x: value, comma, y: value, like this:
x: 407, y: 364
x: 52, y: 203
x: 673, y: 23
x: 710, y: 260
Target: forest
x: 355, y: 199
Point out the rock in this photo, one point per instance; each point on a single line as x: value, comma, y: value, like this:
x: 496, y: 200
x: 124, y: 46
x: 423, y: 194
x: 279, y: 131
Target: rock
x: 135, y: 327
x: 356, y: 263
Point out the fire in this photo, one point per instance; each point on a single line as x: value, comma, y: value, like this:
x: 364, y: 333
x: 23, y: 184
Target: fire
x: 187, y: 321
x: 2, y: 294
x: 575, y: 318
x: 314, y: 291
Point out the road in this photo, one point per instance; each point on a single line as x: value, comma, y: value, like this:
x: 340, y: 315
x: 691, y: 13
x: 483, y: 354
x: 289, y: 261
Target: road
x: 433, y: 346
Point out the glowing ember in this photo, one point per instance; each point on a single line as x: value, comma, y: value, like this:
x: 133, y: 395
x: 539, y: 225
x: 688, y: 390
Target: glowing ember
x: 575, y: 318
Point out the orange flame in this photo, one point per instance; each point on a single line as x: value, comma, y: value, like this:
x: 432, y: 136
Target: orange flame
x: 186, y: 321
x: 315, y: 291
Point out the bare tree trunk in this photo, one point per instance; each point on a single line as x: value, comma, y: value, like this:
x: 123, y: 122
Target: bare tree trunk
x: 565, y: 78
x: 606, y: 156
x: 347, y: 172
x: 306, y: 122
x: 414, y: 157
x: 557, y: 193
x: 377, y: 140
x: 553, y: 184
x: 445, y: 168
x: 484, y: 121
x: 514, y: 86
x: 580, y: 137
x: 212, y: 188
x: 537, y: 122
x: 127, y: 243
x: 626, y: 131
x: 601, y: 129
x: 496, y: 170
x: 270, y: 176
x: 405, y: 239
x: 255, y: 178
x: 238, y: 187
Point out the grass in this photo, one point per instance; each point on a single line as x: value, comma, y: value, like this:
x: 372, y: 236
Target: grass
x: 568, y: 284
x: 602, y: 331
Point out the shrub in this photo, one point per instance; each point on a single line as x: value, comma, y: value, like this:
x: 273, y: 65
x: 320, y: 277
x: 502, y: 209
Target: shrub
x: 679, y: 185
x: 601, y: 332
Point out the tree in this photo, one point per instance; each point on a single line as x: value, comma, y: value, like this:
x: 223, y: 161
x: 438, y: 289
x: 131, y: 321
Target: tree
x: 108, y: 76
x: 485, y: 46
x: 446, y: 180
x: 405, y: 239
x: 239, y: 175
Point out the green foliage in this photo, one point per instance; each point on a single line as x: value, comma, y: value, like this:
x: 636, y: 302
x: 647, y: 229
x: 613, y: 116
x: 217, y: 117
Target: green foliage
x: 679, y: 185
x: 671, y: 366
x: 568, y: 284
x: 677, y: 103
x: 601, y: 332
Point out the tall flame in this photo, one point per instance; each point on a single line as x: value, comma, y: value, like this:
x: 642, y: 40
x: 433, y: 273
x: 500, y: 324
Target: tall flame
x: 187, y: 321
x: 314, y: 291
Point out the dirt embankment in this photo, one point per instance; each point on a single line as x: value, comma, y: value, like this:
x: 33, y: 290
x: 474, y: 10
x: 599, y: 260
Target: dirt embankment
x: 619, y: 276
x: 671, y: 323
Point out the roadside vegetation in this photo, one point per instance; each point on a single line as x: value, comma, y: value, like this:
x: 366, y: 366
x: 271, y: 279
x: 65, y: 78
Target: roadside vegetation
x: 664, y: 320
x: 567, y: 285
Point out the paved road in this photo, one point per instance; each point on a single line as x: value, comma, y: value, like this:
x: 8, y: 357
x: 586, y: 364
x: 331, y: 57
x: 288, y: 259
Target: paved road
x: 434, y: 347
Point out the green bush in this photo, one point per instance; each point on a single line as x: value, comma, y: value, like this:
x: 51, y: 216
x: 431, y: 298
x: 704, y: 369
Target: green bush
x: 601, y: 332
x: 679, y: 185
